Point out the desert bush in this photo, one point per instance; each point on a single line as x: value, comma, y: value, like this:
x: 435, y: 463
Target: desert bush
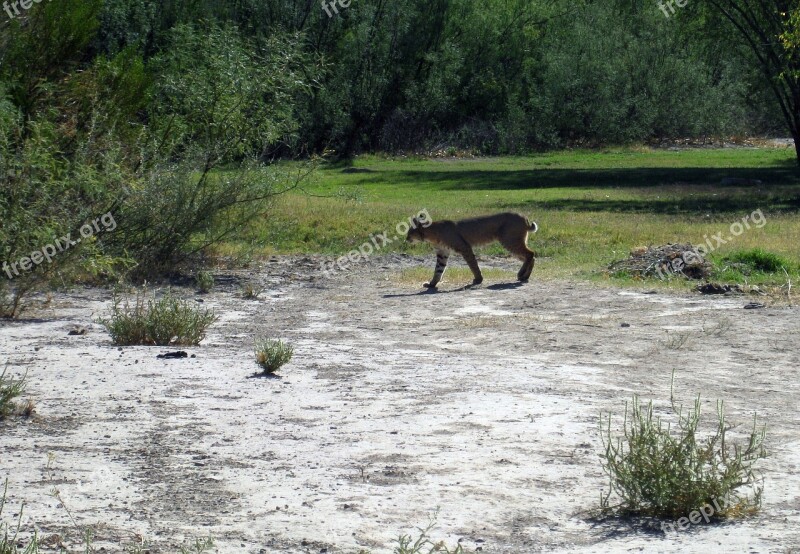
x: 271, y: 354
x: 205, y: 281
x: 659, y: 471
x: 160, y: 322
x: 9, y: 390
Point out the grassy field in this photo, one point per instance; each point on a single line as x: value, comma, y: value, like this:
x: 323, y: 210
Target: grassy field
x: 592, y: 207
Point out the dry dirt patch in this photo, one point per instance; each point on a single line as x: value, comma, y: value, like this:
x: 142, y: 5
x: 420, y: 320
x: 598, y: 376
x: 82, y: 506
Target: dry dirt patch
x: 483, y: 402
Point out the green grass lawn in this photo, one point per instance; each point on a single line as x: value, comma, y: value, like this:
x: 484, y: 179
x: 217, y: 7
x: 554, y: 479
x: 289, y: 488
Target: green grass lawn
x: 592, y: 207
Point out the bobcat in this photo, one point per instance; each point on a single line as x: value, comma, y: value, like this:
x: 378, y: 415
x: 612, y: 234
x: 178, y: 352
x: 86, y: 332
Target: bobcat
x: 510, y: 229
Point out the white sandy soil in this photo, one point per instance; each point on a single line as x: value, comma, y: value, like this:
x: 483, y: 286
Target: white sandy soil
x: 482, y: 402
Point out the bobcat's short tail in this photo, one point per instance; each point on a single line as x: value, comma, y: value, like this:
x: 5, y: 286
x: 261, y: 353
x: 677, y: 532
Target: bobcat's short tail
x: 534, y: 227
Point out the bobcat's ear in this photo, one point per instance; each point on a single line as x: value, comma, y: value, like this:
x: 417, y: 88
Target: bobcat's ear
x: 415, y: 222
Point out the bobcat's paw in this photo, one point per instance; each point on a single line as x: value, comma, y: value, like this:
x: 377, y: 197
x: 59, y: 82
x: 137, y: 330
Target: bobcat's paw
x: 429, y: 285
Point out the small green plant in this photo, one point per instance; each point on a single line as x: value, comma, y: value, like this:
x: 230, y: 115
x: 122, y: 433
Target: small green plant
x: 9, y: 390
x: 655, y: 471
x: 251, y: 291
x: 159, y: 322
x: 271, y: 354
x: 423, y: 544
x: 205, y: 281
x: 199, y: 546
x: 11, y: 544
x: 676, y: 341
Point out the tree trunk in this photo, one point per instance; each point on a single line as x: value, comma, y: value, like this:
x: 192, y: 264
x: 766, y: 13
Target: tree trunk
x: 796, y: 137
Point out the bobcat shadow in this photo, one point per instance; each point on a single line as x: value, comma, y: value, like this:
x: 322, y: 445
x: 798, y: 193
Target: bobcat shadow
x: 429, y: 292
x: 426, y: 292
x: 506, y: 286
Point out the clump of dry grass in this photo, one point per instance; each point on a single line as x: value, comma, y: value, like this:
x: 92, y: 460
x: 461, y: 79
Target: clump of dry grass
x: 251, y: 291
x: 159, y: 322
x: 9, y: 390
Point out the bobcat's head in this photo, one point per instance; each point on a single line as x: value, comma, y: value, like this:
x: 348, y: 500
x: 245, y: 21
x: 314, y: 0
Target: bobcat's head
x: 415, y: 233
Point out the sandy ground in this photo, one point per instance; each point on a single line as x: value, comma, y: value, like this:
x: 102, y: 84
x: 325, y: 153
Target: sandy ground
x: 483, y: 403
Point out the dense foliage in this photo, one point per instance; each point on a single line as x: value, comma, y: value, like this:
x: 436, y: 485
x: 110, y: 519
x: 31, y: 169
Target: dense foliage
x: 129, y: 106
x: 499, y: 76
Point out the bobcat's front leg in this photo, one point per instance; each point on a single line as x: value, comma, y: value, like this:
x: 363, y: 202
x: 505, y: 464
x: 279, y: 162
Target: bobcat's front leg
x: 441, y: 264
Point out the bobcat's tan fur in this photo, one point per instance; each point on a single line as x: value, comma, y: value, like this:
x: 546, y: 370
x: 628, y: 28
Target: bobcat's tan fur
x: 510, y: 229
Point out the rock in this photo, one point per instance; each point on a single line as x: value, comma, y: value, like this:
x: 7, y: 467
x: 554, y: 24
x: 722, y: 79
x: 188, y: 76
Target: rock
x: 717, y: 288
x: 173, y: 355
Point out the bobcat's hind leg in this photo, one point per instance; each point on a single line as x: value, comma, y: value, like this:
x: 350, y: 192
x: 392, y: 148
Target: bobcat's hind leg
x: 527, y: 267
x: 441, y: 264
x: 520, y: 249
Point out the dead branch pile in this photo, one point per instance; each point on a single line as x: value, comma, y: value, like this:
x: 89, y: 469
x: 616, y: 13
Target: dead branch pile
x: 664, y: 261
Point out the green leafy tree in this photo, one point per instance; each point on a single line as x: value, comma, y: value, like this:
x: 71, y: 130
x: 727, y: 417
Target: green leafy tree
x: 769, y: 30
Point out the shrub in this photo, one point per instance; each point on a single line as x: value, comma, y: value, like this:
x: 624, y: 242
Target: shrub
x: 658, y: 472
x: 9, y: 390
x: 205, y: 281
x: 219, y: 100
x: 758, y: 259
x: 160, y: 322
x: 50, y: 186
x: 271, y: 354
